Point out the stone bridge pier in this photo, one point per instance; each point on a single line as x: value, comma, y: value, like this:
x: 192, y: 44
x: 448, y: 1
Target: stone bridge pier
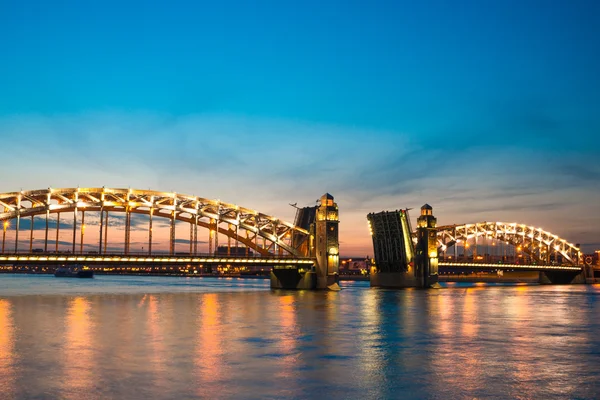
x: 566, y: 277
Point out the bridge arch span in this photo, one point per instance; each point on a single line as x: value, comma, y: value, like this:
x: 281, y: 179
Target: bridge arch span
x: 197, y: 211
x: 533, y: 241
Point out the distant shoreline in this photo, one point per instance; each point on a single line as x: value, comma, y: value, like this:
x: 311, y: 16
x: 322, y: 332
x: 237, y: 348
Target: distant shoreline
x: 243, y: 276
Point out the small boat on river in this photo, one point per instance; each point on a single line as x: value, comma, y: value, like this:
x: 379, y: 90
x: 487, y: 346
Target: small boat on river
x: 74, y: 271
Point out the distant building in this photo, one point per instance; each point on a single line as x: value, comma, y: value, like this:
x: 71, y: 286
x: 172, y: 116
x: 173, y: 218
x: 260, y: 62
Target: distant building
x: 355, y: 266
x: 233, y: 251
x: 592, y: 259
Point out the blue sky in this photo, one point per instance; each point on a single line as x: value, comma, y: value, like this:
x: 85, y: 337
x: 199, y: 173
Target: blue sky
x: 488, y: 110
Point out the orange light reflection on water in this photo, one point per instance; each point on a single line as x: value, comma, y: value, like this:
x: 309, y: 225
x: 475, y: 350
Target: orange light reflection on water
x: 369, y: 336
x: 457, y: 324
x: 209, y: 345
x: 78, y: 349
x: 289, y: 336
x: 445, y: 310
x: 522, y: 348
x: 469, y: 312
x: 156, y: 338
x: 7, y: 373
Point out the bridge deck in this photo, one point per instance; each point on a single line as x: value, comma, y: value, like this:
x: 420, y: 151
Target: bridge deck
x: 510, y: 266
x: 148, y: 260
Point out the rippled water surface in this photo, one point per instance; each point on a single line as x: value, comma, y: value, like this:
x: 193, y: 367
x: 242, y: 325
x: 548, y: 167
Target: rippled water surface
x: 176, y: 338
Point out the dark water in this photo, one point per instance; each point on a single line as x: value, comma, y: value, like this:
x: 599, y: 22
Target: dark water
x: 177, y: 338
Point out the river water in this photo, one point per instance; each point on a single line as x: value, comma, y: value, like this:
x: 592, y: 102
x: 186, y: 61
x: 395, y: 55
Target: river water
x: 124, y: 337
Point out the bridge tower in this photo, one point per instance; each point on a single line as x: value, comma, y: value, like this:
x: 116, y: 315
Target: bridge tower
x: 327, y: 244
x: 399, y: 263
x: 322, y: 245
x: 426, y: 257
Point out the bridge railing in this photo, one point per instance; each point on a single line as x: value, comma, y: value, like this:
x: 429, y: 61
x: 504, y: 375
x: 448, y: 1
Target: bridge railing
x: 487, y: 266
x: 146, y: 254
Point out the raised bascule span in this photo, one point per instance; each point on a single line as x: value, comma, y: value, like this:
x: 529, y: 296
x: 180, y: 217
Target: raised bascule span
x: 310, y: 252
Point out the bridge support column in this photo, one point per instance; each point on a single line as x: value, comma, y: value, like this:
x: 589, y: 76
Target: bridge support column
x: 46, y: 232
x: 101, y: 230
x: 475, y: 253
x: 172, y: 235
x: 75, y: 220
x: 237, y: 240
x: 191, y: 238
x: 196, y: 234
x: 18, y: 223
x: 247, y: 239
x: 106, y: 232
x: 82, y: 231
x: 127, y: 229
x: 57, y: 231
x: 5, y: 226
x: 74, y: 229
x: 211, y: 235
x: 217, y: 221
x: 31, y: 235
x: 17, y: 233
x: 229, y: 227
x: 101, y: 221
x: 150, y: 232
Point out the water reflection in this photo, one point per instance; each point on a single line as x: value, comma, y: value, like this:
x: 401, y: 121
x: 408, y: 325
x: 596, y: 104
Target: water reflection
x: 469, y: 315
x: 77, y: 348
x: 444, y: 313
x: 7, y: 372
x: 528, y: 335
x: 461, y: 342
x: 518, y: 318
x: 454, y: 324
x: 156, y: 338
x: 369, y: 339
x: 209, y: 345
x: 288, y: 336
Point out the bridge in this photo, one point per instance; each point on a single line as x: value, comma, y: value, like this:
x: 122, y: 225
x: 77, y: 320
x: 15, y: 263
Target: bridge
x: 303, y: 254
x: 251, y: 237
x: 405, y: 258
x: 522, y: 267
x: 121, y: 259
x: 542, y: 247
x: 253, y: 230
x: 529, y: 249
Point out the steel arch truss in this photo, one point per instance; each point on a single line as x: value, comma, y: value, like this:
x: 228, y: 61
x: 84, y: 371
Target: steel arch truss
x: 227, y: 219
x: 535, y: 242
